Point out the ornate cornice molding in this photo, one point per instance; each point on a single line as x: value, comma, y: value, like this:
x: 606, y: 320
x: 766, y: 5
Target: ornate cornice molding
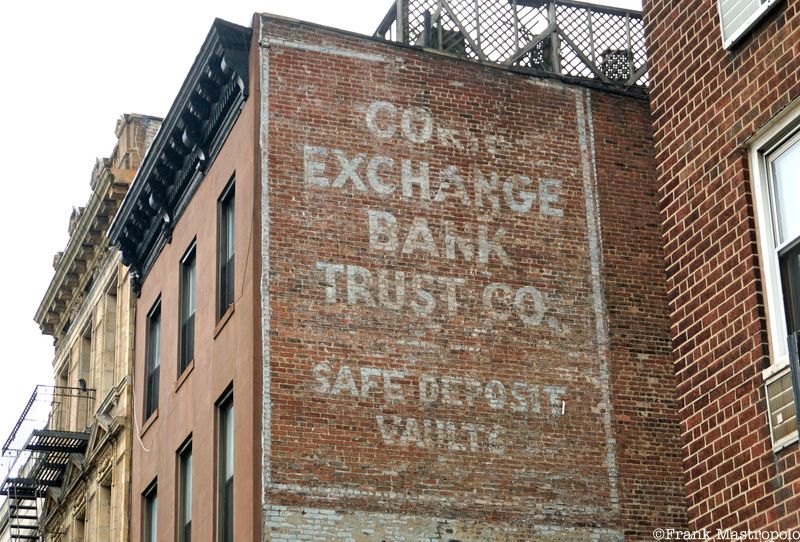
x: 84, y: 256
x: 191, y: 135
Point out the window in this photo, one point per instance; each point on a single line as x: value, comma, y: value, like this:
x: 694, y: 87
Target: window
x: 61, y: 417
x: 776, y: 159
x: 187, y: 310
x: 225, y: 470
x: 150, y: 527
x: 777, y: 189
x: 78, y: 527
x: 85, y: 372
x: 152, y: 361
x: 739, y: 16
x: 225, y: 250
x: 783, y: 165
x: 105, y: 520
x: 85, y: 354
x: 185, y: 493
x: 108, y: 354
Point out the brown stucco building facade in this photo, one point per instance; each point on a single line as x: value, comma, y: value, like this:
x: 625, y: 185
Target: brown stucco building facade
x: 178, y: 412
x: 225, y: 354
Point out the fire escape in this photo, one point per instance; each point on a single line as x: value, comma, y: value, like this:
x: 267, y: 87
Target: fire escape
x: 52, y: 431
x: 570, y: 39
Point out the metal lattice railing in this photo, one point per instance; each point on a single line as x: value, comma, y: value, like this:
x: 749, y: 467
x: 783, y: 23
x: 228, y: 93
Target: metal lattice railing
x: 565, y: 37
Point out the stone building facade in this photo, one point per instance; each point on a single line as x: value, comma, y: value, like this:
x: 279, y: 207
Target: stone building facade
x: 724, y: 96
x: 88, y: 310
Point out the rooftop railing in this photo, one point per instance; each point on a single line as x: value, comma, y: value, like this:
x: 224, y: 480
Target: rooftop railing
x: 565, y: 37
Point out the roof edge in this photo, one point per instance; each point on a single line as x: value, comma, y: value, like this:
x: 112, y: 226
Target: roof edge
x: 193, y: 130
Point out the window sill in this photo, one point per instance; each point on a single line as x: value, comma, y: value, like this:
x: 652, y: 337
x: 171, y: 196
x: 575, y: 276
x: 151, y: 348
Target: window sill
x: 224, y: 319
x: 785, y: 443
x: 775, y: 370
x: 184, y: 376
x: 150, y: 421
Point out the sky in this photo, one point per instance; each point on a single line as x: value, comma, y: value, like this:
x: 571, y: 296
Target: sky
x: 70, y: 69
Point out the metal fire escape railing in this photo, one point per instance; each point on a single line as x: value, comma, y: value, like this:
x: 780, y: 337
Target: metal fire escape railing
x: 564, y: 37
x: 53, y: 427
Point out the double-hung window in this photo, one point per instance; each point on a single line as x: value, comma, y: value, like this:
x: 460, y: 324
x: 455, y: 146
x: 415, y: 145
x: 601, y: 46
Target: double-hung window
x: 187, y: 309
x: 225, y: 249
x: 776, y: 182
x: 784, y: 186
x: 152, y: 361
x: 185, y: 493
x: 225, y: 470
x: 150, y: 527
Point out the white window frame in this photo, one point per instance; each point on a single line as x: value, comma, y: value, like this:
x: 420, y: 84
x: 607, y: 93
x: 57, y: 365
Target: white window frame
x: 746, y: 26
x: 780, y: 130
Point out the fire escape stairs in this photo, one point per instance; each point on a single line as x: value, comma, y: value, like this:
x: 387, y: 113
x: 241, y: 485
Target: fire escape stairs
x: 53, y: 450
x: 23, y: 509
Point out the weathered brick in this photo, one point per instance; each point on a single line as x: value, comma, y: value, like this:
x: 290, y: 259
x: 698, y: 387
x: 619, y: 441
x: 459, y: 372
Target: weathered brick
x: 559, y: 423
x: 706, y: 103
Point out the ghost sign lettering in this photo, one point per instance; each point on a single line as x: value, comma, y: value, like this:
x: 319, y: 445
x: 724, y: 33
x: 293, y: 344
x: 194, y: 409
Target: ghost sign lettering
x: 427, y: 235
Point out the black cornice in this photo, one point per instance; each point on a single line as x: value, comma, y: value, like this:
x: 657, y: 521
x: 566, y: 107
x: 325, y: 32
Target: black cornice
x: 190, y: 137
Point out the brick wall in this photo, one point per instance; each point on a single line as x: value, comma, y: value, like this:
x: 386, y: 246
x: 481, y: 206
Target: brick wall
x: 706, y: 103
x: 465, y: 333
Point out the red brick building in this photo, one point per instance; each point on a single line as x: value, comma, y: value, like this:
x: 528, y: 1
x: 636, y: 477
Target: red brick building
x: 436, y: 297
x: 724, y: 98
x: 465, y: 328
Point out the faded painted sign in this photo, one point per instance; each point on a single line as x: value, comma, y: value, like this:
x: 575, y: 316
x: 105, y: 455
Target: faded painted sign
x: 432, y: 311
x: 480, y: 191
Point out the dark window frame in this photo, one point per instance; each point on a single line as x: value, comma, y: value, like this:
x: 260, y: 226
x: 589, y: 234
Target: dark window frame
x: 152, y: 373
x: 226, y: 248
x: 150, y: 512
x: 225, y: 468
x: 187, y: 322
x: 184, y: 493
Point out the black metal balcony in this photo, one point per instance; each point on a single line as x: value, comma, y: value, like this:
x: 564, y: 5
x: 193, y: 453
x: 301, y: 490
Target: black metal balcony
x: 567, y: 38
x: 45, y: 440
x: 21, y: 488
